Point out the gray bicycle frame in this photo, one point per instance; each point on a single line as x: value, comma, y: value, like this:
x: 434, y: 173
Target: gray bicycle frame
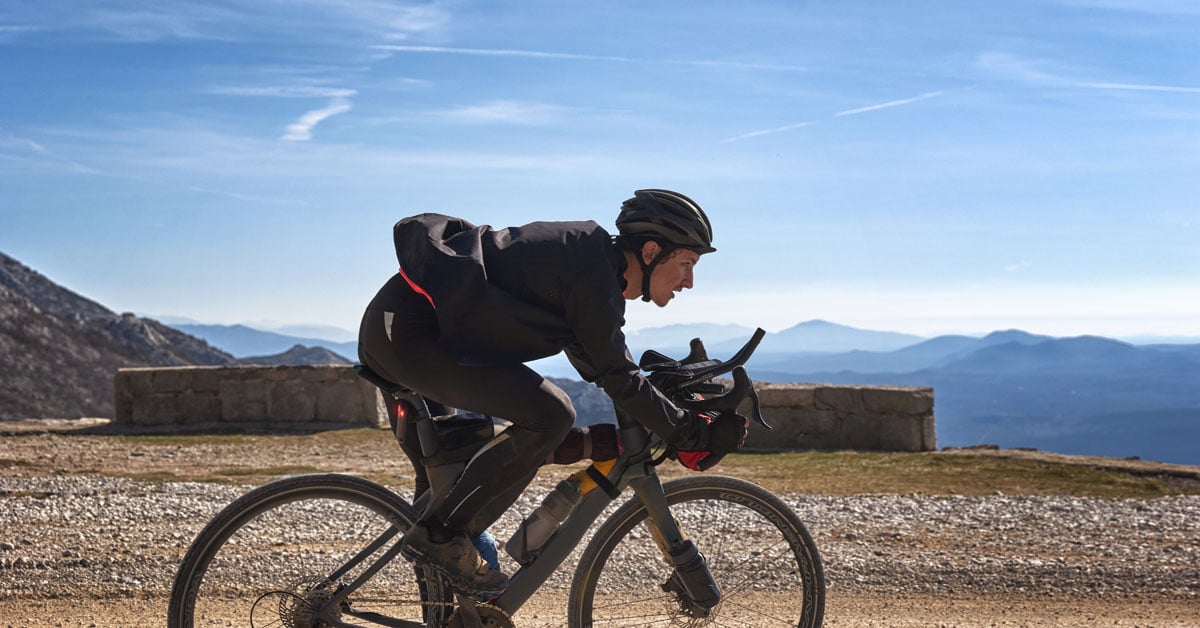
x: 634, y: 469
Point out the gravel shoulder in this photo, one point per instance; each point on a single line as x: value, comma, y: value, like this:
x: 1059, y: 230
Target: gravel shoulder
x: 80, y: 547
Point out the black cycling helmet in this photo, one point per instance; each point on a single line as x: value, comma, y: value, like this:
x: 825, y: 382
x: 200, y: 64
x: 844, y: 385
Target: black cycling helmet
x: 668, y: 217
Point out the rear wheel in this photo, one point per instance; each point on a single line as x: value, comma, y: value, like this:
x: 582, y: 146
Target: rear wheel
x: 758, y: 551
x: 277, y: 555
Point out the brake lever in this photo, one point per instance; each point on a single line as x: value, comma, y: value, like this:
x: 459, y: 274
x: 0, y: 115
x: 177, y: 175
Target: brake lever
x: 729, y: 402
x: 755, y: 404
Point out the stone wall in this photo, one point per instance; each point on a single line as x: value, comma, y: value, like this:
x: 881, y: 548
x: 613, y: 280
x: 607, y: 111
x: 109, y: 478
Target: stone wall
x: 805, y: 416
x: 824, y: 416
x: 284, y: 396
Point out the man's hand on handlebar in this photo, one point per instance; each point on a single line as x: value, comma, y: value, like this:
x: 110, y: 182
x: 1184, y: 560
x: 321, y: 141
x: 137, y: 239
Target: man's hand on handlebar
x: 719, y: 435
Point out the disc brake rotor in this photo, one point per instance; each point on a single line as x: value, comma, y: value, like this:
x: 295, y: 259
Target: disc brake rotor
x: 295, y: 607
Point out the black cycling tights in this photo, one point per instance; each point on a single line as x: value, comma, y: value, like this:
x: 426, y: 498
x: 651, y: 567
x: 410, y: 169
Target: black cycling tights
x: 402, y: 347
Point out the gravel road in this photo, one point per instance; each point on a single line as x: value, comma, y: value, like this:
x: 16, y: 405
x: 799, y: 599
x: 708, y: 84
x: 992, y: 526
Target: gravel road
x: 92, y: 550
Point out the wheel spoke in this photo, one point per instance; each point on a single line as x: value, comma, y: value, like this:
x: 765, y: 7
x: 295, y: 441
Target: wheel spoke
x: 756, y: 548
x: 286, y: 550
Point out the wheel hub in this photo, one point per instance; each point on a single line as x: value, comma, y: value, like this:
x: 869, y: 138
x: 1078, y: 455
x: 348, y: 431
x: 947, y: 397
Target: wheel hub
x: 682, y: 610
x: 295, y: 607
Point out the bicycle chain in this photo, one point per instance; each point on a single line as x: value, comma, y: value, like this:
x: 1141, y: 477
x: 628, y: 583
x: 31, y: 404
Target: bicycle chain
x: 455, y: 605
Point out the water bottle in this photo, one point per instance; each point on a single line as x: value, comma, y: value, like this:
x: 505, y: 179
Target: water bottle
x: 539, y: 526
x: 694, y: 574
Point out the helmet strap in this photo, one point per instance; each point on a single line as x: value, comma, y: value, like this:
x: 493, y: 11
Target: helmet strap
x: 648, y: 269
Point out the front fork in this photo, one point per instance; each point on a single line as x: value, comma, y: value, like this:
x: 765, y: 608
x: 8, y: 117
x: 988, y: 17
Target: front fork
x: 690, y: 568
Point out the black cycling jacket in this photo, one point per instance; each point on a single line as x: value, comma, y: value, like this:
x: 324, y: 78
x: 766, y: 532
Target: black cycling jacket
x: 528, y: 292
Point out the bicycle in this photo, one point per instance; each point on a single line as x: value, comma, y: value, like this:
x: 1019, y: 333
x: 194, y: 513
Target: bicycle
x: 319, y: 550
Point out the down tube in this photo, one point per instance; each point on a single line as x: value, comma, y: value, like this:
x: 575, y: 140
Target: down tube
x: 526, y: 582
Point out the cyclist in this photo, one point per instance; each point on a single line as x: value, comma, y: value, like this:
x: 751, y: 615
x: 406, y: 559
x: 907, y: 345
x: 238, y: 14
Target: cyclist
x: 471, y: 304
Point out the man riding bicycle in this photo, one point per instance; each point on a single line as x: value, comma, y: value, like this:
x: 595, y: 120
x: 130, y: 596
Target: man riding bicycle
x: 471, y: 304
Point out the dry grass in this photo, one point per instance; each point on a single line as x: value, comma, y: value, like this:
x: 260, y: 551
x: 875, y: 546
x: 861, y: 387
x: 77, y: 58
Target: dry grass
x: 848, y: 473
x: 258, y: 458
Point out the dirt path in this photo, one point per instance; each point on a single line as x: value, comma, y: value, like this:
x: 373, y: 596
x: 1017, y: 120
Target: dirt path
x: 883, y: 571
x: 842, y: 611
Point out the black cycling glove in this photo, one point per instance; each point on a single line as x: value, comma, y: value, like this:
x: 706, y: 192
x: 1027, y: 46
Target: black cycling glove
x: 718, y: 436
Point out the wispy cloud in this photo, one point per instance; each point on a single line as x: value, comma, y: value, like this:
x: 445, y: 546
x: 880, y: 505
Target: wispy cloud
x: 11, y: 31
x: 569, y: 56
x: 1040, y: 72
x: 507, y: 111
x: 1142, y: 88
x: 32, y: 153
x: 849, y: 112
x: 25, y: 150
x: 1020, y: 68
x: 1155, y: 7
x: 301, y: 129
x: 887, y: 105
x: 778, y: 129
x: 284, y: 91
x: 504, y: 52
x: 326, y: 21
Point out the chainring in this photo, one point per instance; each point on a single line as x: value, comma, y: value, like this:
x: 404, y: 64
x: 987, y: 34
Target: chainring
x: 490, y: 616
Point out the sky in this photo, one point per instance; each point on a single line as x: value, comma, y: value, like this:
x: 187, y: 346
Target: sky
x: 927, y: 167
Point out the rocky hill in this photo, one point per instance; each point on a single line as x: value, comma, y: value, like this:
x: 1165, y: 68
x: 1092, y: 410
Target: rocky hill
x: 59, y: 350
x: 297, y: 355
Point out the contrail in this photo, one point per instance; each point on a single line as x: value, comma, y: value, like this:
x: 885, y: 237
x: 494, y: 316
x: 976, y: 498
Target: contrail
x: 540, y: 54
x: 1143, y: 88
x: 887, y: 105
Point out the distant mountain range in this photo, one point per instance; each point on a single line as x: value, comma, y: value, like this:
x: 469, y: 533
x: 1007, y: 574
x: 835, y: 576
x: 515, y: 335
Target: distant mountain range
x: 809, y: 337
x: 242, y: 341
x: 1086, y: 395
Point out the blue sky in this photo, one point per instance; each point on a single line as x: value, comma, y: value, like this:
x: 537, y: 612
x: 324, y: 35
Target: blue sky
x: 927, y: 166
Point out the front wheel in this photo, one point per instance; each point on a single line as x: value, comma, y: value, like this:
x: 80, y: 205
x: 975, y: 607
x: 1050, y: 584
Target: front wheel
x: 282, y: 552
x: 758, y: 551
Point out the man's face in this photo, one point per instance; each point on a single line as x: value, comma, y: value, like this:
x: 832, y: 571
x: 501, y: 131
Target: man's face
x: 672, y: 275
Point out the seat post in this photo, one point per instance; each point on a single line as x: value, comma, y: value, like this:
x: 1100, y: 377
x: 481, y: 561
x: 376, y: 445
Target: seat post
x: 423, y: 419
x: 424, y: 423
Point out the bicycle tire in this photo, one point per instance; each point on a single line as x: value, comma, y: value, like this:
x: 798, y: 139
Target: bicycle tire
x: 757, y: 549
x: 268, y: 554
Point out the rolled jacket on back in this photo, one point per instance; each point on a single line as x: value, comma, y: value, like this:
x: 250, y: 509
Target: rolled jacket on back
x: 509, y: 294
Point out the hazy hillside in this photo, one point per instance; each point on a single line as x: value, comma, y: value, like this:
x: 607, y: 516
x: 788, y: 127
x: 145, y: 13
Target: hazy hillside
x: 824, y: 336
x: 244, y: 342
x: 59, y: 351
x: 926, y: 354
x: 298, y: 355
x: 1083, y: 395
x: 673, y: 337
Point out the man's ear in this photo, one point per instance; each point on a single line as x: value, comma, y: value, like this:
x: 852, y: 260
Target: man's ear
x: 650, y: 250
